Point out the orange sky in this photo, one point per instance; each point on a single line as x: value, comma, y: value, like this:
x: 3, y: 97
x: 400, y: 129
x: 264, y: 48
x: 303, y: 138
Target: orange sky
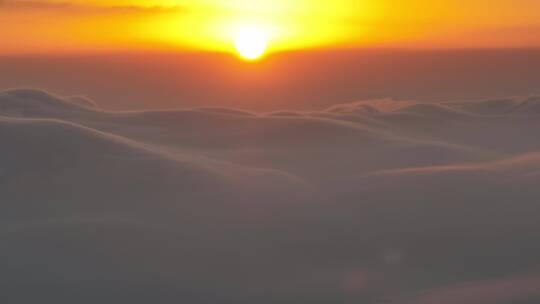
x: 98, y: 25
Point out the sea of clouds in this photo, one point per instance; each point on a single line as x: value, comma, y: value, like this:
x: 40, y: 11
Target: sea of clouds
x: 377, y: 201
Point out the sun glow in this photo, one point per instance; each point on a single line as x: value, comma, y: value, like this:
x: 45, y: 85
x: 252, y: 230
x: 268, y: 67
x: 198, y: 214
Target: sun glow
x: 253, y: 28
x: 251, y: 42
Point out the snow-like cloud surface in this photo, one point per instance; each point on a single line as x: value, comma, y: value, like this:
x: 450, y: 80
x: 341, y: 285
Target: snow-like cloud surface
x: 366, y: 202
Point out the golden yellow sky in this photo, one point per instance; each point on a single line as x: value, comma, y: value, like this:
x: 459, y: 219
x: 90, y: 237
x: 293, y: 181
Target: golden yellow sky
x: 99, y: 25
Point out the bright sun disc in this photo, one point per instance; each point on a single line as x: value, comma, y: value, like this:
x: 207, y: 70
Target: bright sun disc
x: 251, y: 43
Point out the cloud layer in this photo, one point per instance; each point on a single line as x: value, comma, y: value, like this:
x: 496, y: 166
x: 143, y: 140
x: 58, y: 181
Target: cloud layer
x: 371, y: 201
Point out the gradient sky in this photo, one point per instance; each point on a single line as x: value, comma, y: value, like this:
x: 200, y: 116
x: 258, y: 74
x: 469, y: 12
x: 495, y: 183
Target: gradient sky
x: 97, y: 25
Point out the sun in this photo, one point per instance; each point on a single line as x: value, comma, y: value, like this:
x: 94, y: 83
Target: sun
x: 251, y: 43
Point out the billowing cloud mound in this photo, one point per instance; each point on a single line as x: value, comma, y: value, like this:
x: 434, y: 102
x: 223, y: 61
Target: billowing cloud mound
x: 369, y: 202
